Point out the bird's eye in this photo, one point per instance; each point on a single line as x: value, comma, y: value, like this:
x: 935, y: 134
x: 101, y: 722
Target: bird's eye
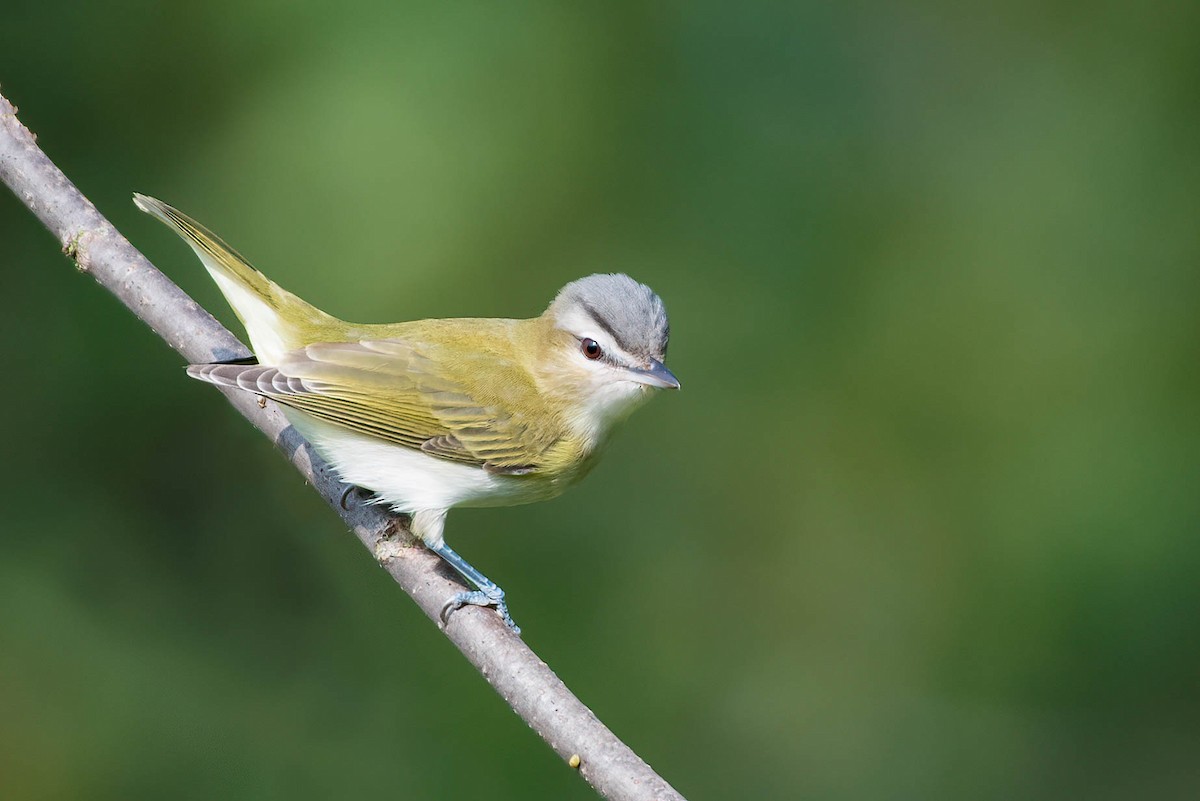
x: 591, y: 348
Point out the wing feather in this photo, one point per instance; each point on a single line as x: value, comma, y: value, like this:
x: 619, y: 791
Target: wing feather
x: 404, y: 393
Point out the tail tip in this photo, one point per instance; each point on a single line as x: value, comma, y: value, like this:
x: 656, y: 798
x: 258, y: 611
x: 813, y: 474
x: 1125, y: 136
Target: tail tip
x: 150, y: 205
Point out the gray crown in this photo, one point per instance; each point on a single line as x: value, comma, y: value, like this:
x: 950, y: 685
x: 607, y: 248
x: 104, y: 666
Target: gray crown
x: 630, y: 312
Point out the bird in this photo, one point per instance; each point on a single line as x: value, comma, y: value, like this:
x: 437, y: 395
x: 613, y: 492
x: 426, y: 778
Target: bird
x: 429, y: 415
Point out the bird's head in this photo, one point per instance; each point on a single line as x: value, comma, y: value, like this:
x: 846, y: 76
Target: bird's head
x: 608, y: 340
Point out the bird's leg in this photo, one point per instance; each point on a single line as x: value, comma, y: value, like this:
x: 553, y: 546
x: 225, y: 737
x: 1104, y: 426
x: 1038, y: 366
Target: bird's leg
x: 488, y: 593
x: 427, y: 524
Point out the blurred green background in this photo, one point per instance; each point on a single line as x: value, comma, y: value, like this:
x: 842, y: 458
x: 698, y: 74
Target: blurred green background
x: 922, y: 523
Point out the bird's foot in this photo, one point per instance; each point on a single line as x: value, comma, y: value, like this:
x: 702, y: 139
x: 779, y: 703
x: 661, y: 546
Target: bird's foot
x: 489, y: 596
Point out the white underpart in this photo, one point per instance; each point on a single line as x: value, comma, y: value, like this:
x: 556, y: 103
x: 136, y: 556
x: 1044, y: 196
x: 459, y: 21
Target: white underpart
x: 408, y: 480
x: 607, y: 403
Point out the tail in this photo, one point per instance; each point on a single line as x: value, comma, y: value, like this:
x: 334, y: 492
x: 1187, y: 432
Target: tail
x: 276, y: 320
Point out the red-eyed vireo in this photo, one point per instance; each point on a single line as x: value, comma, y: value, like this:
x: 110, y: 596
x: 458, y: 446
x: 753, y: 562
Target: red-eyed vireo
x: 433, y: 414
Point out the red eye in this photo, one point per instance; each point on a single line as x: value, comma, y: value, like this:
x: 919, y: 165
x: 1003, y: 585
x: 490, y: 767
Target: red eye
x: 591, y: 348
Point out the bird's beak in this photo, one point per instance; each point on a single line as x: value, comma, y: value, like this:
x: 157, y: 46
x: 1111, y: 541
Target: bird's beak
x: 656, y: 375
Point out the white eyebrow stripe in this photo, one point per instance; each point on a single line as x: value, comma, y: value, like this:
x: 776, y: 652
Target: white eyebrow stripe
x: 581, y: 325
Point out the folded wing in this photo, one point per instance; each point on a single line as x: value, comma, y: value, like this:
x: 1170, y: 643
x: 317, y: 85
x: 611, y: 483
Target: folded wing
x: 390, y: 389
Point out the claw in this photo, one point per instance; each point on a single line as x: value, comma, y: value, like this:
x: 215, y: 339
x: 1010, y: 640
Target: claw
x: 480, y: 598
x: 362, y: 494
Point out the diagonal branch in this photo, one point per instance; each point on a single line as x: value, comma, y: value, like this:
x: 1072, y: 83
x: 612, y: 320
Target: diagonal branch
x: 525, y: 682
